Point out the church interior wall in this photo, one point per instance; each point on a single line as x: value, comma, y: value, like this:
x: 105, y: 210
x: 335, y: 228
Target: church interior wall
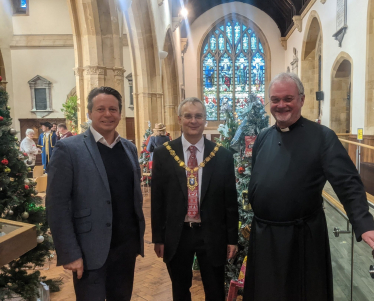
x: 45, y: 17
x: 354, y: 44
x: 128, y: 68
x: 55, y: 65
x: 202, y: 24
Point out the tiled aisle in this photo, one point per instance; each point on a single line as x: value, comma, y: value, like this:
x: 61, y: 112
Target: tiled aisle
x: 152, y: 281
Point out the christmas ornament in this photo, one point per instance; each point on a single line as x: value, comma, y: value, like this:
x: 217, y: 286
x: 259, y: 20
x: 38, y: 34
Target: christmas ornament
x: 1, y: 78
x: 246, y: 231
x: 241, y: 169
x: 25, y: 215
x: 1, y: 118
x: 8, y: 108
x: 12, y: 131
x: 25, y: 154
x: 7, y: 170
x: 5, y: 161
x: 26, y: 187
x: 29, y: 162
x: 35, y: 192
x: 40, y: 239
x: 26, y: 181
x: 28, y: 168
x: 15, y: 138
x: 10, y: 212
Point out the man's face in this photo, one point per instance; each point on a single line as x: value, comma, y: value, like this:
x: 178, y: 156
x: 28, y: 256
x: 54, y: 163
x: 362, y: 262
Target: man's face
x: 192, y: 120
x: 285, y: 102
x: 61, y: 130
x: 54, y: 127
x: 44, y: 128
x: 105, y: 113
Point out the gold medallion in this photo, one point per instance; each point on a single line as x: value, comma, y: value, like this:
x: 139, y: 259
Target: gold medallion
x: 192, y: 182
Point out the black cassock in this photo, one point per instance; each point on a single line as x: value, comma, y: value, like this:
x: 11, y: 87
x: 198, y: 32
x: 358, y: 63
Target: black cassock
x: 289, y: 253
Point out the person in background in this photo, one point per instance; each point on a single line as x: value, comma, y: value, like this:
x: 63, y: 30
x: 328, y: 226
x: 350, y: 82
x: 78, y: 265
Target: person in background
x: 157, y: 139
x: 54, y: 127
x: 47, y: 141
x: 63, y: 131
x: 28, y: 146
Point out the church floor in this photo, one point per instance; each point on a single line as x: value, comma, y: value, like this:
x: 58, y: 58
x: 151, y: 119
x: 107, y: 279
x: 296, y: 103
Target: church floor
x: 152, y: 282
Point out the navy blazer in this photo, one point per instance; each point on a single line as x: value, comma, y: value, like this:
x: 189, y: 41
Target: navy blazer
x: 78, y: 200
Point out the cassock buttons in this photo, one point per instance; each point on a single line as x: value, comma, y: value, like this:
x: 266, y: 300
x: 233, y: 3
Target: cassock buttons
x: 279, y: 144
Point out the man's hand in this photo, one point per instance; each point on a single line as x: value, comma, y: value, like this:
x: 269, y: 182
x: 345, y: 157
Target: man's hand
x: 75, y: 266
x: 231, y: 251
x: 159, y: 250
x: 368, y: 237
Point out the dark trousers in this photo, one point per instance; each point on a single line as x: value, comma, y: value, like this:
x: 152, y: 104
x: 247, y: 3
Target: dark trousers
x: 114, y: 280
x: 180, y: 268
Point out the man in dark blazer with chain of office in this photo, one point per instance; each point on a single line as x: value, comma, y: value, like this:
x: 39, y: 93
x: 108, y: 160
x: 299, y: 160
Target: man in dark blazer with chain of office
x: 194, y: 205
x: 94, y: 204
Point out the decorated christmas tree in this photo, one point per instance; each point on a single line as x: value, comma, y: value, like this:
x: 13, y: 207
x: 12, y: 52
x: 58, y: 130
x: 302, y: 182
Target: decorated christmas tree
x: 19, y: 202
x: 144, y: 154
x: 238, y: 134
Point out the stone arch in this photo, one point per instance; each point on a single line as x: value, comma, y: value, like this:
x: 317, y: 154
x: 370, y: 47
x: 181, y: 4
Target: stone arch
x: 170, y: 83
x: 369, y: 102
x: 267, y: 56
x: 98, y: 48
x: 311, y: 66
x: 341, y: 91
x: 146, y: 66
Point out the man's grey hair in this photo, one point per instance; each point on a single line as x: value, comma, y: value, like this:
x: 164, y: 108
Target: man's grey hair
x: 192, y: 100
x: 286, y: 76
x: 29, y: 131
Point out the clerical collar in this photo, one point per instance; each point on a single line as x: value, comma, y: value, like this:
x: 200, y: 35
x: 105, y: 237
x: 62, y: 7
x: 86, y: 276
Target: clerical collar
x: 47, y: 133
x: 291, y: 127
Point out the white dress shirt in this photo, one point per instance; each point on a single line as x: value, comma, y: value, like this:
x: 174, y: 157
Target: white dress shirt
x: 200, y: 157
x: 100, y: 138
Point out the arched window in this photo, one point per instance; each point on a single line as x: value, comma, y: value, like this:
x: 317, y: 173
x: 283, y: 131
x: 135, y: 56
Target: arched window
x: 233, y: 66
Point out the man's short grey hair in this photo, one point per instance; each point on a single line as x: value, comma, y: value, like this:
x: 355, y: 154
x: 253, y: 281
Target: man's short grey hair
x: 286, y: 76
x: 29, y: 131
x: 192, y: 100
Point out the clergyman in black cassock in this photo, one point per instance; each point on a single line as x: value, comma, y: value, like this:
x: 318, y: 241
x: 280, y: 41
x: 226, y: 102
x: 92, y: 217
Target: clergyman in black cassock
x: 289, y: 253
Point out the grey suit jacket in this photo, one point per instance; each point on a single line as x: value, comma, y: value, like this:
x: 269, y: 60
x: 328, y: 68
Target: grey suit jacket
x: 78, y: 200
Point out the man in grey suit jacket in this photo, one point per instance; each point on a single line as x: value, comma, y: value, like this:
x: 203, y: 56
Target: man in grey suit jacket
x: 94, y: 204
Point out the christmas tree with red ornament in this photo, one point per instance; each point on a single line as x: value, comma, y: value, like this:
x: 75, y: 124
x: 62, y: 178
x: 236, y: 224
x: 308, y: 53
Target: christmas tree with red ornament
x: 238, y: 134
x: 19, y: 202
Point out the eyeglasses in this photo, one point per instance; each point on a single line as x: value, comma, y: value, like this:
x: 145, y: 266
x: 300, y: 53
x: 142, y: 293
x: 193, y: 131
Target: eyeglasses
x: 288, y: 98
x: 190, y: 116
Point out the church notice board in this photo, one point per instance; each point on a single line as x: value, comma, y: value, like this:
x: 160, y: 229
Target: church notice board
x: 19, y: 238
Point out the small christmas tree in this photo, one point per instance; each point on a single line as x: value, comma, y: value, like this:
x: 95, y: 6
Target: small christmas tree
x: 238, y: 134
x: 144, y: 154
x: 19, y: 202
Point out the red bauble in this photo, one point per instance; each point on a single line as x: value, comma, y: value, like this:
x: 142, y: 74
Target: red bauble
x: 5, y: 161
x: 241, y: 169
x: 1, y: 78
x: 26, y: 187
x: 25, y: 154
x: 1, y: 118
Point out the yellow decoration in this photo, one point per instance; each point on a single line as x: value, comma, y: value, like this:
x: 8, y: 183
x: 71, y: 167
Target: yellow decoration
x: 182, y: 164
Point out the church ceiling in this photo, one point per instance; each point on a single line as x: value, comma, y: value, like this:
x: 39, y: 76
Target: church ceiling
x: 281, y: 11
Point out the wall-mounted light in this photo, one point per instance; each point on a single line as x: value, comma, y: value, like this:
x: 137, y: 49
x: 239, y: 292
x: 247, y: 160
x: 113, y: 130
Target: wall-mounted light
x: 183, y: 13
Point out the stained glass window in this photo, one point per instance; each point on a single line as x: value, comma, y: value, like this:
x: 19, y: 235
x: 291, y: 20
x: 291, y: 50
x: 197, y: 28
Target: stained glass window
x: 231, y: 74
x: 213, y: 43
x: 221, y: 43
x: 258, y: 76
x: 229, y: 31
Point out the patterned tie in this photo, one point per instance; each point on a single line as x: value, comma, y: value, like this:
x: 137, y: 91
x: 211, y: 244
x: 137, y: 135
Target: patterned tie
x: 193, y: 195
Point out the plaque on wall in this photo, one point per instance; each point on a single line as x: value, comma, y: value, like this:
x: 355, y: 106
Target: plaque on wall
x: 341, y: 21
